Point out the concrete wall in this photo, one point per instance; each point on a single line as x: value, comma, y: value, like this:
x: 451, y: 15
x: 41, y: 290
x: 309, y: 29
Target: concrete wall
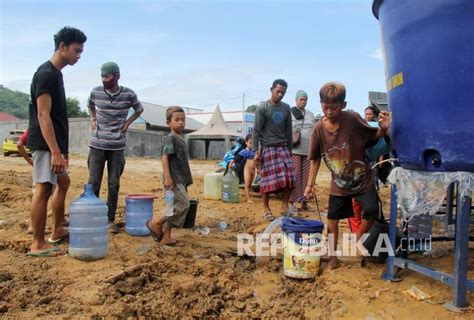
x: 140, y: 143
x: 6, y: 127
x: 216, y: 149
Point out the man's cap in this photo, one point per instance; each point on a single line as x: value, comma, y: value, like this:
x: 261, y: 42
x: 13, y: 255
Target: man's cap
x: 109, y: 68
x: 301, y: 93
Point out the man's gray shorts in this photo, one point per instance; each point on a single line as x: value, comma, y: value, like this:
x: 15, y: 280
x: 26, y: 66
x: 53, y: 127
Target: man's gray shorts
x: 42, y: 168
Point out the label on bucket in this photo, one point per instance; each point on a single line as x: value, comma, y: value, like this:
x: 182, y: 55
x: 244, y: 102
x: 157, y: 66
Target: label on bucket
x: 301, y: 254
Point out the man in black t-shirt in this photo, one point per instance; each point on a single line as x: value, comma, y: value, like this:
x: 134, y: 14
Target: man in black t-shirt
x: 48, y: 139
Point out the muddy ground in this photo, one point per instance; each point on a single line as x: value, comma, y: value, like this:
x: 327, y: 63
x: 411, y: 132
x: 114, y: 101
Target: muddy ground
x: 204, y: 279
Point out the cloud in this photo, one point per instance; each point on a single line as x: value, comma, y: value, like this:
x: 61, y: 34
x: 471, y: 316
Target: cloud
x: 377, y: 54
x: 206, y: 87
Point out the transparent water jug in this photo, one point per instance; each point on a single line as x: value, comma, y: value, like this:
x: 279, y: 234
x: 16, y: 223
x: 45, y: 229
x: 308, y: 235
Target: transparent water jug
x: 230, y: 187
x: 88, y: 227
x: 212, y: 186
x: 138, y: 209
x: 169, y: 202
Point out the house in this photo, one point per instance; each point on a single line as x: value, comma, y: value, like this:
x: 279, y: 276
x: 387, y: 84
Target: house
x: 154, y: 118
x: 6, y: 117
x: 379, y: 100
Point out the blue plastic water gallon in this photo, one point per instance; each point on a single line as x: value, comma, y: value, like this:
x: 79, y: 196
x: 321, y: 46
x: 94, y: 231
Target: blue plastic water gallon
x: 428, y: 50
x: 301, y: 247
x: 88, y: 227
x: 138, y: 209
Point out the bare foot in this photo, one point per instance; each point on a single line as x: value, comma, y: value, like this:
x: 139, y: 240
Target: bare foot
x: 172, y: 242
x: 59, y: 234
x: 333, y: 264
x: 250, y: 201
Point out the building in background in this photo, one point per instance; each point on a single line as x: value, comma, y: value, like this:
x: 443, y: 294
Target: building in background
x: 154, y: 118
x: 379, y: 100
x: 237, y: 121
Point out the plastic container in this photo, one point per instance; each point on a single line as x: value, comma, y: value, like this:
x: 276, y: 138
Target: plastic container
x: 429, y: 62
x: 212, y: 186
x: 301, y: 247
x: 230, y: 188
x: 191, y: 215
x: 169, y: 202
x: 378, y: 229
x: 88, y: 227
x: 138, y: 209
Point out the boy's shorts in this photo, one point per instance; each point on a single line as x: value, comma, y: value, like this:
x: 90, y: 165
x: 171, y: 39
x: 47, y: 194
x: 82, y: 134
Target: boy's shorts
x: 341, y: 207
x: 181, y: 207
x: 42, y: 172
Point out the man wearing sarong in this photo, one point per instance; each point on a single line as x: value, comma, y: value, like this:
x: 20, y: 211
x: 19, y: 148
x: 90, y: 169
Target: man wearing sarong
x: 272, y: 143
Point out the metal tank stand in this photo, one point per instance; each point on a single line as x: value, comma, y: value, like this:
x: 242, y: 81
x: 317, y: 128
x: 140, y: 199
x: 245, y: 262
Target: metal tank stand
x: 458, y: 282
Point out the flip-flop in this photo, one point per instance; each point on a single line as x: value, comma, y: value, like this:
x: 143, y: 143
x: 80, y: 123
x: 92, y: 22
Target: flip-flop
x: 268, y: 216
x: 156, y: 236
x: 50, y: 252
x: 54, y: 241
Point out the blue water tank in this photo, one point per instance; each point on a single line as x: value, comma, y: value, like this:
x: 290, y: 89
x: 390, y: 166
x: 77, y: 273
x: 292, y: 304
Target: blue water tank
x: 429, y: 61
x: 138, y: 209
x: 88, y: 227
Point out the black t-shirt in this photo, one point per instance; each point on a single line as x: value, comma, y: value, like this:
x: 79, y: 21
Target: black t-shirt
x: 48, y: 79
x: 176, y: 149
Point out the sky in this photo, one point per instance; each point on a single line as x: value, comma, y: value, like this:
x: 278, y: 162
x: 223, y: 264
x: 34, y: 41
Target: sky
x: 201, y: 53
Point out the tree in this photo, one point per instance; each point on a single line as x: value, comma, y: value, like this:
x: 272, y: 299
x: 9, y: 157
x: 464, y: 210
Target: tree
x: 14, y: 102
x: 251, y: 108
x: 74, y: 109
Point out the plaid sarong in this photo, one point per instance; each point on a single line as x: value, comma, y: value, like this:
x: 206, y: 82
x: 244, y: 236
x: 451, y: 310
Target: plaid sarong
x: 275, y: 169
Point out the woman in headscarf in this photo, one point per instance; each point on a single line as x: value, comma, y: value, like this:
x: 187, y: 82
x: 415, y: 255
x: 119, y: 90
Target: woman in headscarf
x: 302, y: 121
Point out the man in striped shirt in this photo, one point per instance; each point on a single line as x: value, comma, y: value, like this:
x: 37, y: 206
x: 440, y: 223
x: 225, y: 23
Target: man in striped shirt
x: 109, y: 105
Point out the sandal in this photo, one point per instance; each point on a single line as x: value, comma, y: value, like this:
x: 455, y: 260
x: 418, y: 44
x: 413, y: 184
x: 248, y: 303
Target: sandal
x: 156, y: 236
x: 268, y: 216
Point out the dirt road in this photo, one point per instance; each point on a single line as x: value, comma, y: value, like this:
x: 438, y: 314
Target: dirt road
x: 206, y: 278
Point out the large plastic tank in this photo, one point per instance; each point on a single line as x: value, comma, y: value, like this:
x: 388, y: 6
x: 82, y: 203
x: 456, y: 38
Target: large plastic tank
x: 429, y: 62
x: 88, y: 227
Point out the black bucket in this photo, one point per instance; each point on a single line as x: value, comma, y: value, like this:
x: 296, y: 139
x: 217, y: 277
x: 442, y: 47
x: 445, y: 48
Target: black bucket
x: 378, y: 228
x: 191, y: 215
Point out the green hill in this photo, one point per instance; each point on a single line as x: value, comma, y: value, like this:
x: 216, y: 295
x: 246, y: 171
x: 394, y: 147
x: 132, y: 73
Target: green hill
x: 17, y: 104
x: 14, y: 102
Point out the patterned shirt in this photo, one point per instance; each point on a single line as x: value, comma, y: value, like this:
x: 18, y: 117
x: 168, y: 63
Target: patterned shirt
x: 343, y: 151
x: 111, y: 113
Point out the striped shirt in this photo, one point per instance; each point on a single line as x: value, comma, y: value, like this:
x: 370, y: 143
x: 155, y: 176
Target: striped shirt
x: 111, y: 113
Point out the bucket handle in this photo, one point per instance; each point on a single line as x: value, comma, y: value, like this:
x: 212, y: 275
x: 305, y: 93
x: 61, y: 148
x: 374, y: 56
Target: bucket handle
x: 317, y: 205
x: 193, y: 193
